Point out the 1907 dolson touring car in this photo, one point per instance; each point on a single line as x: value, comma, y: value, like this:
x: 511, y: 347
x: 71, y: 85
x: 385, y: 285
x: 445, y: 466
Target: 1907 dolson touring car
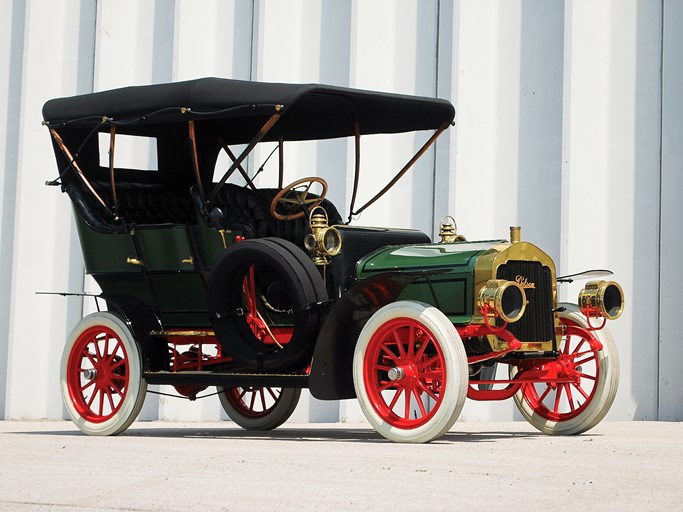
x: 264, y: 291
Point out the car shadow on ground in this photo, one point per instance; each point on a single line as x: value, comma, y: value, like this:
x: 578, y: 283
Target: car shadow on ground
x: 308, y: 434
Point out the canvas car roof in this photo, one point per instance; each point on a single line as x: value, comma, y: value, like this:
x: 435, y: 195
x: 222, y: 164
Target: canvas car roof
x: 310, y: 111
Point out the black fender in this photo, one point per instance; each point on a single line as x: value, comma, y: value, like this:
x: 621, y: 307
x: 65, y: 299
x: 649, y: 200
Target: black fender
x: 141, y: 321
x: 331, y: 376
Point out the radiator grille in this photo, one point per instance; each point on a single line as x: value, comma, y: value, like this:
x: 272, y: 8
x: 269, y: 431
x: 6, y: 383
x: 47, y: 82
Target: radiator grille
x: 537, y: 322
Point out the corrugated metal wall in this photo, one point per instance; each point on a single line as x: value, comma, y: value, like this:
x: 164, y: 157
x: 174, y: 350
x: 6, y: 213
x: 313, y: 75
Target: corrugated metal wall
x: 568, y: 123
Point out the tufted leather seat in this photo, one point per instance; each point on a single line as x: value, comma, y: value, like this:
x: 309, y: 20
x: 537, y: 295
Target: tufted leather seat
x: 294, y: 230
x: 240, y: 208
x: 138, y: 203
x: 144, y: 203
x: 154, y: 204
x: 247, y: 210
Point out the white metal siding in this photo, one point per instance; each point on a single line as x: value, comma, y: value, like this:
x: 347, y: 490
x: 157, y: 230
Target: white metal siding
x: 568, y: 123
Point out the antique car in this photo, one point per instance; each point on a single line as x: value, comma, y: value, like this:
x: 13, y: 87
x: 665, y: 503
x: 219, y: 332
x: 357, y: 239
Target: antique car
x: 261, y: 292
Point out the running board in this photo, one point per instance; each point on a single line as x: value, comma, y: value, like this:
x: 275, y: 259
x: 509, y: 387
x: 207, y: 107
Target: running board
x: 227, y: 379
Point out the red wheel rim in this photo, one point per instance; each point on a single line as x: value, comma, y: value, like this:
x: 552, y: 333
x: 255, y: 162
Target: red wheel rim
x: 578, y: 364
x: 97, y: 374
x: 254, y: 402
x: 416, y: 391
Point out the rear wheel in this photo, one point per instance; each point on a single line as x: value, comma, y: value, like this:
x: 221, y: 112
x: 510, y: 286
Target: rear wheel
x: 259, y: 408
x: 101, y: 375
x: 591, y: 379
x: 410, y: 372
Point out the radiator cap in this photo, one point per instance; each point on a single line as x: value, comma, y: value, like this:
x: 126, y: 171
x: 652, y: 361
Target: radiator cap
x: 515, y: 234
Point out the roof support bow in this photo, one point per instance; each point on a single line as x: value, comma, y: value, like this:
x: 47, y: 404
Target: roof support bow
x: 257, y: 138
x: 405, y: 169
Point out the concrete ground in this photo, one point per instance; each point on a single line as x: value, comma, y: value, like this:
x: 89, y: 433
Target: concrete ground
x: 170, y: 467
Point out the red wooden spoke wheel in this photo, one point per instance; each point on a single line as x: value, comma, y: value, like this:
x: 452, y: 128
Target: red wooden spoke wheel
x: 577, y: 372
x: 97, y: 374
x: 259, y: 408
x: 254, y: 402
x: 101, y: 382
x: 580, y: 385
x: 404, y: 373
x: 410, y: 372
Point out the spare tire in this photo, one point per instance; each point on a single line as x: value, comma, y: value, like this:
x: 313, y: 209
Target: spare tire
x: 287, y: 288
x: 305, y: 260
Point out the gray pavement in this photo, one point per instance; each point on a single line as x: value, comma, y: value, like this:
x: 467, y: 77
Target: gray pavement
x: 160, y: 466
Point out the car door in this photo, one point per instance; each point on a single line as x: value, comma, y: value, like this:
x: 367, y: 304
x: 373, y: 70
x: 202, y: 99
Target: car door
x: 168, y: 260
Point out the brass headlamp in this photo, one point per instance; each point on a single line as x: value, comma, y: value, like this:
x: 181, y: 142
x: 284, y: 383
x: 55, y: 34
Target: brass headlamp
x: 448, y: 231
x: 602, y: 299
x: 503, y: 299
x: 323, y: 241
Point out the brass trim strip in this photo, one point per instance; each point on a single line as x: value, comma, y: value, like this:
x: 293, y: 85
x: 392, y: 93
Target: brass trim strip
x: 181, y: 374
x: 182, y: 333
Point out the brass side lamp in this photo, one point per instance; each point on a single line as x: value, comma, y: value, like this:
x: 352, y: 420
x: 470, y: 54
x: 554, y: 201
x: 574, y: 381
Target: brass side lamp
x: 324, y: 240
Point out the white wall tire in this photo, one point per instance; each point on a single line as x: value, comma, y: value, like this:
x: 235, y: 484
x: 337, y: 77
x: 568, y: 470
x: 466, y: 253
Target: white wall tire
x: 259, y: 408
x: 430, y: 368
x: 101, y: 375
x: 576, y: 407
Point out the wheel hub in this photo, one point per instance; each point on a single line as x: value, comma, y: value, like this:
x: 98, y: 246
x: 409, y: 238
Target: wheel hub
x: 407, y: 372
x: 90, y: 374
x: 568, y: 370
x: 397, y: 373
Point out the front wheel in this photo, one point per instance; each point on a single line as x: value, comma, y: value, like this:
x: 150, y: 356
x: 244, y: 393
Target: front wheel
x: 101, y: 375
x: 259, y: 408
x: 410, y: 372
x: 586, y: 383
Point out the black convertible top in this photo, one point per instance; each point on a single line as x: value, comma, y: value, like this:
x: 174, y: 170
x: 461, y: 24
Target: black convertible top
x: 238, y: 108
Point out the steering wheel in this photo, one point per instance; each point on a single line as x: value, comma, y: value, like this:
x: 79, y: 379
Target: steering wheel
x: 294, y: 200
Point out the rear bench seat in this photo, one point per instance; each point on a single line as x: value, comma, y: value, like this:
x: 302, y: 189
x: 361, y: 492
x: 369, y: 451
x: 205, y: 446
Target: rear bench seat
x: 138, y: 203
x: 154, y: 204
